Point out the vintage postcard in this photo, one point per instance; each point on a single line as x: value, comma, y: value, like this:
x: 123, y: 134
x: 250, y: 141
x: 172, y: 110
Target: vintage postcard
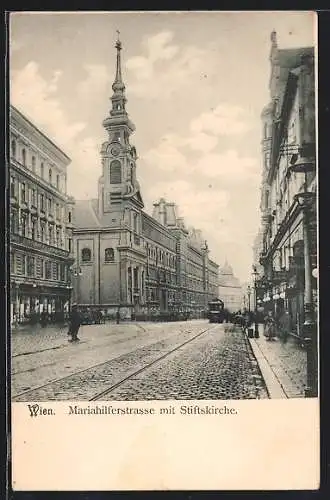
x: 162, y: 169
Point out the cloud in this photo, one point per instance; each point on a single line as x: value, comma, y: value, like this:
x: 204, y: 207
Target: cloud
x: 38, y: 99
x: 35, y: 96
x: 165, y: 67
x: 97, y: 79
x: 166, y: 156
x: 85, y: 168
x: 200, y: 208
x: 228, y: 166
x: 225, y: 119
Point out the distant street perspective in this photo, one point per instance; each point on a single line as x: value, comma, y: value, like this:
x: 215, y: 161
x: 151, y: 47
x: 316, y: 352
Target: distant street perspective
x: 184, y: 267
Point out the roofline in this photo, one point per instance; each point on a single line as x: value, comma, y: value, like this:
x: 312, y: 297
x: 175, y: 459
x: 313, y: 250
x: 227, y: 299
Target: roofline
x: 20, y: 113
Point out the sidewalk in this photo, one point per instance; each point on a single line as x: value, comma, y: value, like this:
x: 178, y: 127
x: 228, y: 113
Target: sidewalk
x: 283, y: 365
x: 31, y: 339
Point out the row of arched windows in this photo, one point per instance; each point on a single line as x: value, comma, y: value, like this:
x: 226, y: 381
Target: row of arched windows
x: 109, y: 255
x: 161, y: 257
x: 33, y: 164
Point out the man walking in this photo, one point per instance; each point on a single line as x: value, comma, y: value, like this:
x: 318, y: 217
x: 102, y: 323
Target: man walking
x: 74, y: 324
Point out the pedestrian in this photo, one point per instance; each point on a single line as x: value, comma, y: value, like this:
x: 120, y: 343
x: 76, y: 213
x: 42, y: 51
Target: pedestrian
x: 270, y: 326
x: 74, y: 323
x: 284, y: 323
x: 117, y: 317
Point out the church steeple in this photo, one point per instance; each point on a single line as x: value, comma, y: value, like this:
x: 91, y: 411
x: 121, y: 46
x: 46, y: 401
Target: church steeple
x: 118, y: 183
x: 118, y: 115
x: 118, y: 98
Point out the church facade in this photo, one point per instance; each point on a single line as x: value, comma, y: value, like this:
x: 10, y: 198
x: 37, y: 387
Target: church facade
x: 125, y: 259
x: 230, y: 289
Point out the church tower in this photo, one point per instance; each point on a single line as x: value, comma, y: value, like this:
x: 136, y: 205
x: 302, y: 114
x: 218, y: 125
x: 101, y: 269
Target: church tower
x: 118, y: 186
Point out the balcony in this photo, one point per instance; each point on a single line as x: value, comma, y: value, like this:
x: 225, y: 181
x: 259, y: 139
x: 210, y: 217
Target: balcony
x: 37, y: 245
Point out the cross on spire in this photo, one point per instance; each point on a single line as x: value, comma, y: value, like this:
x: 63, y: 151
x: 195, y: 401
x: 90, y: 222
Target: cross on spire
x: 118, y: 42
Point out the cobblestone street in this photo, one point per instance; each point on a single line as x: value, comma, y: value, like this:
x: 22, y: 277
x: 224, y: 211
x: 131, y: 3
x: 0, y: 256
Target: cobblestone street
x: 217, y: 364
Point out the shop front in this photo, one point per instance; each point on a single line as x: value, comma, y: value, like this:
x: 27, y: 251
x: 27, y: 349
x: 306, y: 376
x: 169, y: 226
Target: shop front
x: 32, y: 302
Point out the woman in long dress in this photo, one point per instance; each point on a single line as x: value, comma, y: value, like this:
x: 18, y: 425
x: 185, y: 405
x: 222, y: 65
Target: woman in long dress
x: 270, y: 326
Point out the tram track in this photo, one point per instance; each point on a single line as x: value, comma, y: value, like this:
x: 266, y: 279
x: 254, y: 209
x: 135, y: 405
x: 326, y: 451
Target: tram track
x: 110, y: 389
x: 28, y: 394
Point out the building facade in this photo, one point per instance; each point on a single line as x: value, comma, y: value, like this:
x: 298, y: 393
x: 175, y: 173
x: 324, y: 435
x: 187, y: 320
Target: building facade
x: 40, y: 223
x: 125, y: 258
x: 288, y: 140
x: 230, y: 289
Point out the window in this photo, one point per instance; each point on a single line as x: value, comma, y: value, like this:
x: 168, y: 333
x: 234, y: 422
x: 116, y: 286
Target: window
x: 86, y: 255
x: 55, y: 271
x: 23, y: 192
x: 12, y: 187
x: 40, y: 268
x: 57, y: 211
x: 135, y: 222
x: 50, y: 175
x: 30, y: 266
x: 42, y: 202
x: 34, y: 229
x: 69, y: 216
x: 14, y: 221
x: 13, y: 148
x: 23, y: 224
x: 265, y: 131
x: 109, y: 255
x: 23, y: 157
x: 23, y: 264
x: 12, y: 262
x: 51, y: 234
x: 70, y: 244
x: 42, y: 170
x: 50, y: 206
x: 115, y: 172
x: 62, y: 272
x: 58, y: 181
x: 48, y: 270
x: 58, y: 237
x: 42, y: 231
x: 33, y: 197
x: 33, y: 163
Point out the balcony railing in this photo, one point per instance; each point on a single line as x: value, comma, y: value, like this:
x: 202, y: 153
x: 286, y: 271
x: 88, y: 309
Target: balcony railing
x: 38, y: 245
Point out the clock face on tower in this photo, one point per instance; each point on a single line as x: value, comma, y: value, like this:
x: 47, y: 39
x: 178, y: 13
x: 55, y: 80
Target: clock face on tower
x: 115, y: 150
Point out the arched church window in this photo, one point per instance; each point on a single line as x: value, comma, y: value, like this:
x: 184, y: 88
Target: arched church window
x: 86, y: 255
x: 131, y: 173
x: 115, y: 172
x: 109, y: 255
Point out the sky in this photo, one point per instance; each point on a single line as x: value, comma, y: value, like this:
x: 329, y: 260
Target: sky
x: 196, y: 83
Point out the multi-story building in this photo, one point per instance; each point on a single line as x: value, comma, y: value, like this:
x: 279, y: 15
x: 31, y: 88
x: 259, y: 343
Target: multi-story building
x: 40, y: 222
x: 288, y: 140
x: 125, y: 258
x: 230, y: 289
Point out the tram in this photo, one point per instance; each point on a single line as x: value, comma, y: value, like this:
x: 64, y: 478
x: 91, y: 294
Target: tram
x: 216, y: 311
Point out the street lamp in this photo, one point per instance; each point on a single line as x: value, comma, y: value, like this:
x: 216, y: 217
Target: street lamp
x: 305, y: 200
x: 249, y: 296
x: 255, y: 275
